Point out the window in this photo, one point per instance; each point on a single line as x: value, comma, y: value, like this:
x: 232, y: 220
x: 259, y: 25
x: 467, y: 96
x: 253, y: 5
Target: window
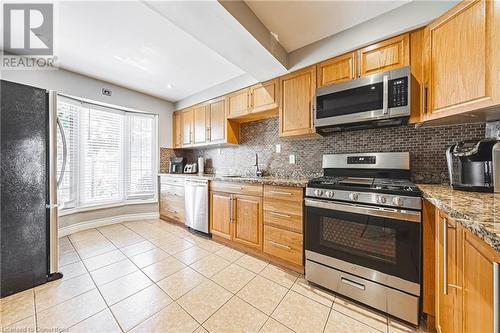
x: 111, y: 154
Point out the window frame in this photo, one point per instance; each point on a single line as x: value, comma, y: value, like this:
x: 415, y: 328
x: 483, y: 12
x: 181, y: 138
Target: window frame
x: 125, y: 200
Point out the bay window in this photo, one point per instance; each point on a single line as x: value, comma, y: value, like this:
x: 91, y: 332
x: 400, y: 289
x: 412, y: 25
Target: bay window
x: 111, y: 155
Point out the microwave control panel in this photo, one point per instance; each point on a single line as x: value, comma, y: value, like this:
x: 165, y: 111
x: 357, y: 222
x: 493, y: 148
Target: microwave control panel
x: 398, y: 92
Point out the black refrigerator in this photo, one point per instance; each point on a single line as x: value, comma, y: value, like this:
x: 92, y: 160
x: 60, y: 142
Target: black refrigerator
x: 28, y: 187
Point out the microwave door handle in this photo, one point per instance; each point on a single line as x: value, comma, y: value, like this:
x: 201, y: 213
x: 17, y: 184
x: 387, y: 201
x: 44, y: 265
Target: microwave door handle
x: 385, y: 98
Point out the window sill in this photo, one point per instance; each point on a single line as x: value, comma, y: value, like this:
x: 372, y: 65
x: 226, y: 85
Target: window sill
x: 70, y: 211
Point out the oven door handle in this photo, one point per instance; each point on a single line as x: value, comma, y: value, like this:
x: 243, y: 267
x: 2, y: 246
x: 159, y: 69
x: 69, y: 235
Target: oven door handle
x: 404, y: 215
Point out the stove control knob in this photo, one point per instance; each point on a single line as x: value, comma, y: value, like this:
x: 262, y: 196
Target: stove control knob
x: 397, y: 201
x: 353, y: 196
x: 329, y: 194
x: 318, y: 192
x: 382, y: 199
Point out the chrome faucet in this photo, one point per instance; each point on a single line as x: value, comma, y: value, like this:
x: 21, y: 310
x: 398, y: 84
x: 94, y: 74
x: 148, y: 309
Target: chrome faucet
x: 258, y: 172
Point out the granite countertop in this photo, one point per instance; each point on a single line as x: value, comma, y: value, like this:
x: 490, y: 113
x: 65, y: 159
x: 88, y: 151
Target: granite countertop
x: 266, y: 180
x: 478, y: 212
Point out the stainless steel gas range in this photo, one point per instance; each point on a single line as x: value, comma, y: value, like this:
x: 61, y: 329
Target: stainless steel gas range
x: 363, y: 231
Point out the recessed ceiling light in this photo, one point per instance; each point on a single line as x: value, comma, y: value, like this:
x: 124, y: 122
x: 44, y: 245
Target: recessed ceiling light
x: 169, y: 86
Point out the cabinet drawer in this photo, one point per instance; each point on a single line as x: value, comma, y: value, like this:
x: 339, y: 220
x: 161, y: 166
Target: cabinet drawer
x: 284, y: 244
x: 283, y: 220
x: 172, y: 190
x: 237, y: 188
x: 285, y: 207
x: 172, y: 206
x: 172, y: 180
x: 283, y: 193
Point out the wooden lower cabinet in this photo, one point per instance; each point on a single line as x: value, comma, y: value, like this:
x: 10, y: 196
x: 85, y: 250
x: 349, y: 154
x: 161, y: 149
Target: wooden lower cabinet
x: 479, y: 268
x: 247, y: 220
x: 171, y: 199
x: 265, y: 221
x: 220, y: 214
x: 236, y: 213
x: 448, y: 281
x: 465, y: 269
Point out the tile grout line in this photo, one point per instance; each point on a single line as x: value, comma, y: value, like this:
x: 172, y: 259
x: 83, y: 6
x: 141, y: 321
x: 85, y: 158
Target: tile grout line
x: 99, y: 291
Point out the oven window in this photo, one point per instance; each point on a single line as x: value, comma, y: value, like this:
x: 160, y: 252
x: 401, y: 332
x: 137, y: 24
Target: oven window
x: 367, y: 240
x: 386, y: 245
x: 365, y: 98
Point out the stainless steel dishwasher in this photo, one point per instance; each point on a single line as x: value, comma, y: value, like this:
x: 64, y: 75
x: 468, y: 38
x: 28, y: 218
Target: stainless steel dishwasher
x: 196, y: 204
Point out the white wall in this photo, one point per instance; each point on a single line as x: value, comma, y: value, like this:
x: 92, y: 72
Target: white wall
x: 78, y: 85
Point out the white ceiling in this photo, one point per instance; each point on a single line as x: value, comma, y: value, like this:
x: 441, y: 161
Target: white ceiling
x: 129, y: 44
x: 299, y: 23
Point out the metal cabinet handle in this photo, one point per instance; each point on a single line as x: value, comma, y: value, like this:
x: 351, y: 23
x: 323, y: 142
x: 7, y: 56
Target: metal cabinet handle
x: 283, y: 246
x: 172, y: 211
x: 231, y: 210
x: 352, y: 283
x: 280, y: 215
x: 424, y: 102
x: 280, y: 192
x: 445, y: 256
x: 496, y: 296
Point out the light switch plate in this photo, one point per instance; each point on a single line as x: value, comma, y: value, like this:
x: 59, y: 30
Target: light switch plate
x: 291, y: 159
x: 278, y: 148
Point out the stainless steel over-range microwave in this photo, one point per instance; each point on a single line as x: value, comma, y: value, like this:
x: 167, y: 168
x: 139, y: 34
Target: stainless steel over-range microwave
x: 377, y: 100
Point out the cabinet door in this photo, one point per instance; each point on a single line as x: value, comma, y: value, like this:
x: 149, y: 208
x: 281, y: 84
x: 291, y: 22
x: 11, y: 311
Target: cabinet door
x: 238, y: 103
x: 217, y: 127
x: 177, y: 130
x: 448, y: 290
x: 297, y: 100
x: 247, y: 220
x: 478, y: 278
x: 264, y: 96
x: 386, y: 55
x: 187, y: 127
x: 220, y: 214
x: 462, y: 61
x: 335, y: 70
x: 200, y: 123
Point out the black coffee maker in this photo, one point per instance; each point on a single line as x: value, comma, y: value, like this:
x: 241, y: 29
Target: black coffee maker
x: 474, y: 165
x: 177, y: 165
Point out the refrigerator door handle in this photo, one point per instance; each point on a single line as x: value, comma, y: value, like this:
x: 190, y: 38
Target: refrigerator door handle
x: 65, y: 152
x: 52, y: 202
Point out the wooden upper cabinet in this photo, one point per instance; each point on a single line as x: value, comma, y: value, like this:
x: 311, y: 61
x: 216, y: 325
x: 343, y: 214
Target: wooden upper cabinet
x: 386, y: 55
x: 264, y: 96
x: 177, y: 130
x: 217, y: 120
x: 297, y: 100
x: 238, y: 103
x: 221, y: 214
x: 247, y: 220
x: 200, y: 123
x: 462, y: 59
x: 335, y: 70
x: 187, y: 127
x: 478, y: 280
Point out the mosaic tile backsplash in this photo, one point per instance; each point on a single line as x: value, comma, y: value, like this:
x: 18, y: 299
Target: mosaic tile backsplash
x: 426, y: 145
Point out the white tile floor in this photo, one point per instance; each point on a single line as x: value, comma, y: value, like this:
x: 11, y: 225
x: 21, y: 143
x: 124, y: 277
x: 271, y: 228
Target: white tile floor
x: 153, y: 276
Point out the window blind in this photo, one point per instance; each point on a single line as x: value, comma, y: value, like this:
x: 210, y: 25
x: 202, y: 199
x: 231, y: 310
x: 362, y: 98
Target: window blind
x: 101, y: 158
x: 141, y: 155
x: 111, y: 154
x: 67, y: 111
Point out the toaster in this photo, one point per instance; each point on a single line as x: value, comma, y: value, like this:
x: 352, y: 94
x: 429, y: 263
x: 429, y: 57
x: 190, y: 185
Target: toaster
x: 191, y: 168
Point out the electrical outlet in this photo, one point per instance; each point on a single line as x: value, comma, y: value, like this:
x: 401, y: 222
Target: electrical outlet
x: 278, y: 148
x: 291, y: 159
